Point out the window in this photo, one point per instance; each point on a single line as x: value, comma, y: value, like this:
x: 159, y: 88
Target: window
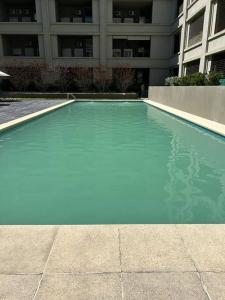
x: 196, y: 30
x: 218, y: 62
x: 75, y: 46
x: 220, y: 16
x: 192, y: 67
x: 20, y: 45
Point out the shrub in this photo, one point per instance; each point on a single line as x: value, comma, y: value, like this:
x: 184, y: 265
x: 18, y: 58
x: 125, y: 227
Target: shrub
x: 196, y: 79
x: 213, y: 78
x: 172, y: 81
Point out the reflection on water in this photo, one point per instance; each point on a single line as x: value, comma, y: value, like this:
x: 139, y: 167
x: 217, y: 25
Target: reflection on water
x: 111, y: 163
x: 196, y: 172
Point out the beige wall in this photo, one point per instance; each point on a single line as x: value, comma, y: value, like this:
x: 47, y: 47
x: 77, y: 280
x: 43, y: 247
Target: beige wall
x: 206, y: 102
x: 102, y: 29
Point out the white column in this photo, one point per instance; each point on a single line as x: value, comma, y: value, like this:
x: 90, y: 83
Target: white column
x: 183, y: 39
x: 205, y: 35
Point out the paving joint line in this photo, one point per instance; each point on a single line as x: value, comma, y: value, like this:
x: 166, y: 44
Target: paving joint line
x: 46, y: 263
x: 120, y: 260
x: 193, y: 261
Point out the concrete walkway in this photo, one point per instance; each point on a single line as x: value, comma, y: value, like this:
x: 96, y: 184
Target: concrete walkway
x: 13, y: 110
x: 113, y: 262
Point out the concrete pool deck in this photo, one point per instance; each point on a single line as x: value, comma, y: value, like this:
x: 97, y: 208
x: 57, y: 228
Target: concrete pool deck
x: 112, y: 262
x: 132, y: 262
x: 13, y: 113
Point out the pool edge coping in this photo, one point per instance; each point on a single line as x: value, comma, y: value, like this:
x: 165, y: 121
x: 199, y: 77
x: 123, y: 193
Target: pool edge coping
x: 21, y: 120
x: 213, y: 126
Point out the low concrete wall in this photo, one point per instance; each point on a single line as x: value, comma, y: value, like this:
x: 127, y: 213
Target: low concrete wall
x: 93, y: 96
x: 207, y: 102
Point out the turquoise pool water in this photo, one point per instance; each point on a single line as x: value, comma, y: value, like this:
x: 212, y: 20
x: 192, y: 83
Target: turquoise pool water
x: 106, y: 163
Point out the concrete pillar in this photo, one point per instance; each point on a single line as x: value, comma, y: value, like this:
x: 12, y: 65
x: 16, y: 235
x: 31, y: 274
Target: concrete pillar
x: 41, y: 46
x: 96, y: 46
x: 103, y: 39
x: 205, y: 36
x: 45, y: 10
x: 109, y: 16
x: 95, y: 11
x: 52, y: 11
x: 38, y: 11
x: 183, y: 39
x: 109, y: 47
x: 55, y: 50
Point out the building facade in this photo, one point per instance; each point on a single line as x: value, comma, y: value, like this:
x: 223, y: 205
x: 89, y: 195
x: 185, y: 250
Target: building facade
x: 157, y: 38
x: 200, y: 29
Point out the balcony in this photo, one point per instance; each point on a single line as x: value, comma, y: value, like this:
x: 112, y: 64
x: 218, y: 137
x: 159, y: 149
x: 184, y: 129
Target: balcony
x: 17, y: 11
x: 74, y: 11
x: 20, y: 45
x: 75, y: 46
x: 132, y: 12
x: 131, y: 48
x: 196, y: 30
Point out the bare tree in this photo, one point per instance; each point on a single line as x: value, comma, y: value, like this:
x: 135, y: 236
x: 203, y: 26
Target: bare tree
x: 84, y: 78
x: 123, y: 77
x: 102, y: 78
x: 23, y: 76
x: 66, y: 76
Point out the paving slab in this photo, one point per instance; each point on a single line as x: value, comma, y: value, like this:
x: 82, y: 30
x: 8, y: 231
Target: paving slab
x: 18, y: 287
x: 149, y: 248
x: 163, y: 286
x: 215, y: 285
x: 206, y: 245
x: 82, y: 249
x: 13, y: 110
x: 80, y: 287
x: 24, y: 250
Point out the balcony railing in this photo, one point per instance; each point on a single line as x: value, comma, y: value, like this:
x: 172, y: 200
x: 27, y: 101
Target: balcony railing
x: 141, y: 52
x: 76, y: 52
x: 21, y: 14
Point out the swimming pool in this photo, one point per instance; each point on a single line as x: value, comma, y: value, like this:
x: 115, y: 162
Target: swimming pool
x: 111, y: 163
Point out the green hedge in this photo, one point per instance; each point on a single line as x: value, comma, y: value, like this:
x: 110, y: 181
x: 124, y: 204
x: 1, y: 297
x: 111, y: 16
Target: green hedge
x: 197, y: 79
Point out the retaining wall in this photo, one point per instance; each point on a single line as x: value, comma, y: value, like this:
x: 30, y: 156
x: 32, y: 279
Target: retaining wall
x: 207, y: 101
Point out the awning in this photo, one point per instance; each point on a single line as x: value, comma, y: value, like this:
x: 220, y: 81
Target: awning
x: 3, y: 75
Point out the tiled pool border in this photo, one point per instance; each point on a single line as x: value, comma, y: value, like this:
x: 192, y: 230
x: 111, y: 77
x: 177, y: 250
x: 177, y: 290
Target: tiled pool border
x: 215, y: 127
x: 29, y: 117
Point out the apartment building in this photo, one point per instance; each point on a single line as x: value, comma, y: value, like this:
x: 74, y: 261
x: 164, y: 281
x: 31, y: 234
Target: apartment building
x: 157, y: 38
x: 200, y: 32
